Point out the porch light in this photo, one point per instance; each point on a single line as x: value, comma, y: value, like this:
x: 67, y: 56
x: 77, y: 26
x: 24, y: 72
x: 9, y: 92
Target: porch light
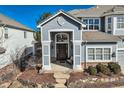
x: 113, y: 54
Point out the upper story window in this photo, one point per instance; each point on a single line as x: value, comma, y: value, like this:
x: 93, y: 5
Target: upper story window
x: 109, y: 23
x: 120, y: 22
x: 6, y: 33
x: 25, y: 34
x: 92, y: 23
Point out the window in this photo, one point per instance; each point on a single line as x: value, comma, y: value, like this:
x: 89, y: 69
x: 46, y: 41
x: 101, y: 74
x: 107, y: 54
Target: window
x: 25, y: 34
x: 107, y: 53
x: 91, y: 55
x: 109, y: 23
x: 62, y: 37
x: 120, y: 22
x: 6, y: 33
x: 92, y: 24
x: 99, y: 54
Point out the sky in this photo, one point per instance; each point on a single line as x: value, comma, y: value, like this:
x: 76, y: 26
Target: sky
x: 28, y: 14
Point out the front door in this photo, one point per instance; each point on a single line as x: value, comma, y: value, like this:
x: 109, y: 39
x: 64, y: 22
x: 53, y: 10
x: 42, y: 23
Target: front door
x: 62, y: 51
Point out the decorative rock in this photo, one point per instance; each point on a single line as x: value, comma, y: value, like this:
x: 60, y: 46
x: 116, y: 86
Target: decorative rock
x: 112, y: 79
x: 102, y: 79
x: 16, y: 84
x: 85, y: 80
x: 106, y: 79
x: 94, y: 79
x: 5, y: 85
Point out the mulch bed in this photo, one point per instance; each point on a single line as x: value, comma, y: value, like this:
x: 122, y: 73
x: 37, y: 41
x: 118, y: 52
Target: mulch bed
x: 31, y: 76
x: 75, y: 76
x: 8, y: 73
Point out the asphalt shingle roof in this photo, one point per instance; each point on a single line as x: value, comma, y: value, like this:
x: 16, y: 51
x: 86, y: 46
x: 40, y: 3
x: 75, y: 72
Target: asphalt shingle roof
x: 96, y: 11
x: 4, y: 20
x: 97, y: 36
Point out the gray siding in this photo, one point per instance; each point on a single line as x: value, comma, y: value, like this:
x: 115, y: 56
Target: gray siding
x: 120, y: 44
x: 68, y: 24
x: 121, y: 58
x: 119, y: 32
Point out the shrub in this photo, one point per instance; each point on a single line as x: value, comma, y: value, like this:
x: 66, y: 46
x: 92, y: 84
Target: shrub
x: 103, y: 69
x: 92, y: 70
x: 114, y: 67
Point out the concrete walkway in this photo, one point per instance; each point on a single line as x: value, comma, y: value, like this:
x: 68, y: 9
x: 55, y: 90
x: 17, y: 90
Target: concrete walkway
x: 61, y: 74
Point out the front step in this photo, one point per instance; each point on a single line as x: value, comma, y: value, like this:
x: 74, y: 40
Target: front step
x: 61, y: 76
x: 60, y: 86
x: 61, y: 81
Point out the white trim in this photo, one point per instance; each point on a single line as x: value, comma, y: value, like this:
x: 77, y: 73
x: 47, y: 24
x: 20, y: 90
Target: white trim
x: 120, y: 48
x: 116, y: 52
x: 58, y: 14
x: 65, y: 30
x: 41, y: 34
x: 87, y: 60
x: 114, y: 25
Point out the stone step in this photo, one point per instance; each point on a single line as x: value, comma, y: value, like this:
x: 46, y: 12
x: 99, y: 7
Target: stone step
x: 60, y: 75
x: 60, y: 86
x: 61, y: 81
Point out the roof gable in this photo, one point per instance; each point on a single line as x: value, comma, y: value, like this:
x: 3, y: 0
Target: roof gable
x: 6, y: 21
x: 64, y: 13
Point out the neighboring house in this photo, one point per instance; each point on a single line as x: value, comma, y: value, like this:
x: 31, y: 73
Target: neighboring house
x: 90, y: 36
x: 15, y: 39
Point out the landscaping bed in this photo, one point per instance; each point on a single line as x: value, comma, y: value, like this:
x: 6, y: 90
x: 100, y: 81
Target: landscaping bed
x: 31, y: 78
x: 8, y: 73
x: 83, y: 80
x: 99, y: 76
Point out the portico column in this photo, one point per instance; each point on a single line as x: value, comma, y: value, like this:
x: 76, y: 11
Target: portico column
x: 77, y: 55
x: 46, y: 62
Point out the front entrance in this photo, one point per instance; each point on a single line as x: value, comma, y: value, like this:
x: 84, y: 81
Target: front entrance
x: 62, y: 51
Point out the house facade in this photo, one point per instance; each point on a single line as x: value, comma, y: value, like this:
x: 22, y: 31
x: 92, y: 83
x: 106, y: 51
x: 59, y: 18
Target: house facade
x: 15, y: 39
x: 88, y: 36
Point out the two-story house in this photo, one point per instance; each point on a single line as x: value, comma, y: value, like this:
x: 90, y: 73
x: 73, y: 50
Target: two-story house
x: 15, y: 39
x: 88, y: 36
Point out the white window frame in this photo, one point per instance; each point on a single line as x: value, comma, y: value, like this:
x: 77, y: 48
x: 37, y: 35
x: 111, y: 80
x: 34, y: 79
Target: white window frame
x: 119, y: 22
x: 109, y: 23
x: 93, y: 24
x: 102, y: 54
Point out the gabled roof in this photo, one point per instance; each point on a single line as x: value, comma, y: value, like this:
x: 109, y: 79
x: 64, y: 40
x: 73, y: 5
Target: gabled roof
x: 61, y: 12
x: 118, y: 9
x: 96, y: 11
x: 4, y: 20
x: 98, y: 36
